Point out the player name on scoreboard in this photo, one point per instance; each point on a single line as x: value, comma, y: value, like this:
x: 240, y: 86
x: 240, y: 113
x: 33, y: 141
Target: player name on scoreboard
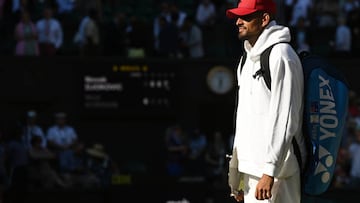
x: 128, y: 88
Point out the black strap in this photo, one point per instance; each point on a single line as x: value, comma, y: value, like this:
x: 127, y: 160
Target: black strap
x: 300, y: 163
x: 297, y: 152
x: 264, y: 70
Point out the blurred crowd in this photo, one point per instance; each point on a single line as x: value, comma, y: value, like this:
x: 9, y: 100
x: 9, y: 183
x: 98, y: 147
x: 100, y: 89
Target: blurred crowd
x: 165, y: 28
x: 347, y: 173
x: 195, y: 156
x: 33, y: 157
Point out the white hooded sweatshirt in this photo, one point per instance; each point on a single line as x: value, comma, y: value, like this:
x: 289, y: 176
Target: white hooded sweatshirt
x: 267, y: 120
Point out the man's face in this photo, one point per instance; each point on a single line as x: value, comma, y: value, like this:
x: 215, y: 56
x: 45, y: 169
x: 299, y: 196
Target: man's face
x: 250, y: 26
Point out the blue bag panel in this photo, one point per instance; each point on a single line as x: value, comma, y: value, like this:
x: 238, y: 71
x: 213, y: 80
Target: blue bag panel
x: 325, y: 114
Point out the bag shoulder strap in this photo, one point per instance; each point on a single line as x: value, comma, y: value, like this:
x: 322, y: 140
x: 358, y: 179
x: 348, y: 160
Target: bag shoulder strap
x: 264, y: 66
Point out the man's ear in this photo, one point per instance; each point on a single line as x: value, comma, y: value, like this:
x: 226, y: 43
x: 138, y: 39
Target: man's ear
x: 265, y: 19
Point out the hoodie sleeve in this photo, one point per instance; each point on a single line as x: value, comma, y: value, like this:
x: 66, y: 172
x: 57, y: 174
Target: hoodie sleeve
x: 285, y: 110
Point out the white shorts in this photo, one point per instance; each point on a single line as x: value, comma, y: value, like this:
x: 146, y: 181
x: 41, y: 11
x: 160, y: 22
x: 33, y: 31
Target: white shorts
x: 285, y: 190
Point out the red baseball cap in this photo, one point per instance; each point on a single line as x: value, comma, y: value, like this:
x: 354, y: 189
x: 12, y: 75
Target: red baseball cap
x: 246, y: 7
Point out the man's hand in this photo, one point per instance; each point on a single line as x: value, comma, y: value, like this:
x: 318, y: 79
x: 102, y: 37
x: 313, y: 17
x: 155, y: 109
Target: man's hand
x: 239, y: 197
x: 264, y: 186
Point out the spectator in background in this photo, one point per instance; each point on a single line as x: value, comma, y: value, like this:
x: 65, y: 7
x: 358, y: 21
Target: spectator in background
x: 205, y: 18
x: 115, y: 40
x: 178, y: 16
x: 325, y: 19
x: 31, y: 129
x: 74, y: 167
x: 350, y: 5
x: 18, y: 161
x: 215, y: 158
x: 301, y: 36
x: 158, y: 21
x: 177, y: 149
x: 197, y: 146
x: 191, y: 39
x: 61, y: 136
x: 326, y: 13
x: 41, y: 168
x: 99, y: 163
x: 288, y: 10
x: 206, y: 13
x: 50, y: 33
x: 20, y: 6
x: 87, y: 37
x: 65, y: 8
x: 342, y: 44
x: 300, y: 9
x: 168, y: 39
x: 26, y: 37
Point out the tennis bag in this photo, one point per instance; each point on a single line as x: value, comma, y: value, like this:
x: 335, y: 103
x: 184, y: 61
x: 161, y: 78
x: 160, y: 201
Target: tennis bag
x: 325, y: 111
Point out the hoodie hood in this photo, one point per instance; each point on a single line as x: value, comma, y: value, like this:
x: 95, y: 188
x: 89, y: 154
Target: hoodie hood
x: 272, y: 34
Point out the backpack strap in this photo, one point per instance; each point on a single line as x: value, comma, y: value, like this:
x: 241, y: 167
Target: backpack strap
x: 264, y: 66
x: 297, y: 153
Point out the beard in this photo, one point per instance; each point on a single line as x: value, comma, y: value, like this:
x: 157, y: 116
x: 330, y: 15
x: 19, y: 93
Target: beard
x: 242, y: 36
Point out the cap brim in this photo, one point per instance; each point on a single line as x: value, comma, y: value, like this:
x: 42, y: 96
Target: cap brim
x: 236, y: 12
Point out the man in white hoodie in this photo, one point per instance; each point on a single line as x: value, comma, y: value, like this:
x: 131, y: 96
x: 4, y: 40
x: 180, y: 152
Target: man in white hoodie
x: 267, y: 119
